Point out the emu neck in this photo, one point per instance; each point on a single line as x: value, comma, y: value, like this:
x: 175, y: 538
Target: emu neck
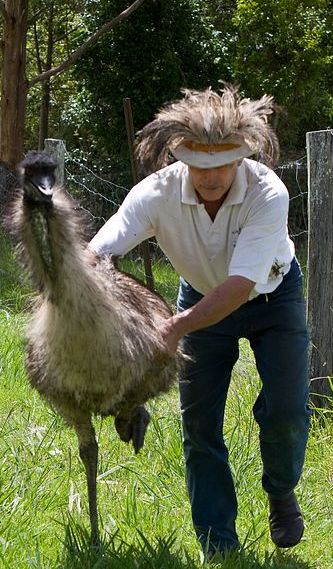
x: 40, y: 230
x: 57, y: 256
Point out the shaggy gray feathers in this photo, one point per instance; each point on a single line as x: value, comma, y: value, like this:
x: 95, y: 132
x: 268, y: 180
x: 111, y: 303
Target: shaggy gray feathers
x: 97, y: 325
x: 93, y: 344
x: 207, y: 117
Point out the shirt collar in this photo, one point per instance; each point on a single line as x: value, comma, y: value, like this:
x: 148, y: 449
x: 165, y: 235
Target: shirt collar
x: 188, y: 195
x: 235, y: 195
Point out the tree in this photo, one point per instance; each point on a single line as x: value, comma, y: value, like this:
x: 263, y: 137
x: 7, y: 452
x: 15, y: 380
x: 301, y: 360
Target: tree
x: 169, y: 45
x: 15, y: 85
x: 52, y: 36
x: 286, y: 48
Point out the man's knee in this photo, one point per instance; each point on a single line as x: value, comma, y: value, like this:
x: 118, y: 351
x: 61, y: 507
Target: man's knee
x: 285, y: 419
x: 200, y: 433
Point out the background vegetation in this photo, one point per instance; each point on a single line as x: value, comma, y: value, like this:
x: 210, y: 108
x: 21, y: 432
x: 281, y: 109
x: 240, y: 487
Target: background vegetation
x: 284, y: 48
x: 144, y: 510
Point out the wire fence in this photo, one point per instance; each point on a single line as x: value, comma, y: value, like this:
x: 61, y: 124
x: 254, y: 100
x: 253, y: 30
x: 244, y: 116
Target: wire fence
x: 99, y: 196
x: 98, y: 193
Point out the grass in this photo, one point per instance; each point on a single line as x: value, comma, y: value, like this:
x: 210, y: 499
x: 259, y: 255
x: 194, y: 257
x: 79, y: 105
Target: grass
x: 165, y: 279
x: 144, y: 512
x: 14, y: 286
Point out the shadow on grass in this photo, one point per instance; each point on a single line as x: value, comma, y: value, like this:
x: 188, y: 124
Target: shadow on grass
x: 249, y: 560
x: 286, y: 560
x: 115, y: 553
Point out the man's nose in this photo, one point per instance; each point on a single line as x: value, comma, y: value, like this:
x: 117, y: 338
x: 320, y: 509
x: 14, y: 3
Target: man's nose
x: 209, y: 175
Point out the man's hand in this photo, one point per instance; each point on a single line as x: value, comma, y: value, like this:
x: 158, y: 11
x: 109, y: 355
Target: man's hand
x: 170, y: 334
x: 213, y: 307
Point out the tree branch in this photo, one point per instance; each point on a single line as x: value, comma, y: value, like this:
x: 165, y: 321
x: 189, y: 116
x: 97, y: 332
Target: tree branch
x: 33, y: 19
x: 83, y: 48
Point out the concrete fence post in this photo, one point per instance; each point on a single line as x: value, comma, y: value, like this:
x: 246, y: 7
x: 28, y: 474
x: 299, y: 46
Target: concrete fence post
x: 57, y: 149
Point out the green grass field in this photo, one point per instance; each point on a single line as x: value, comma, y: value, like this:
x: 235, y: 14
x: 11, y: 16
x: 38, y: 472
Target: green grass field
x: 144, y: 512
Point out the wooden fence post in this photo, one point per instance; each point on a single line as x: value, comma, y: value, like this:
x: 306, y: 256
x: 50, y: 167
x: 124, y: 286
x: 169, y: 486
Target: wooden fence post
x: 57, y: 149
x: 320, y: 264
x: 130, y: 137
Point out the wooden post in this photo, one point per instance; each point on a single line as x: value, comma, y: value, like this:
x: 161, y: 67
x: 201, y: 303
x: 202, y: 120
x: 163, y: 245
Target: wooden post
x: 320, y: 264
x: 130, y: 137
x: 57, y: 149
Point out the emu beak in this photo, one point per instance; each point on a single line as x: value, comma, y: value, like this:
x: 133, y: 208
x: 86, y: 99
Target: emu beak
x: 39, y: 187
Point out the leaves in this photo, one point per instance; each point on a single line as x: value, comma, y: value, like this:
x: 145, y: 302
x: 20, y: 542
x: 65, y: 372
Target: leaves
x: 149, y: 58
x: 289, y: 55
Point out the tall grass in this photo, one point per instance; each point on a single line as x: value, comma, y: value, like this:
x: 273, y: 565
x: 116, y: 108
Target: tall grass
x: 14, y: 286
x: 144, y: 511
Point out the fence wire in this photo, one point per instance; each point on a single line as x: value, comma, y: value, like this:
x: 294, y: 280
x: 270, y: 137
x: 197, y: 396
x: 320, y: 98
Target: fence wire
x: 99, y: 196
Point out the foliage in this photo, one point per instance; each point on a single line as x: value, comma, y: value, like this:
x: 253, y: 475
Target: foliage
x: 67, y: 31
x: 165, y: 46
x: 286, y: 48
x: 14, y: 286
x: 144, y: 511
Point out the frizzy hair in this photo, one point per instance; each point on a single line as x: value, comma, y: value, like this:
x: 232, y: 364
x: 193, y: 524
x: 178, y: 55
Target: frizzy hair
x: 208, y: 117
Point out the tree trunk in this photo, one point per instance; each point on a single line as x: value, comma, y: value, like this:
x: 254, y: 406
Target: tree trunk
x: 14, y: 85
x: 46, y: 88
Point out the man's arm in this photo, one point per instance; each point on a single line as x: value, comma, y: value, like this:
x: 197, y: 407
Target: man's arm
x: 213, y: 307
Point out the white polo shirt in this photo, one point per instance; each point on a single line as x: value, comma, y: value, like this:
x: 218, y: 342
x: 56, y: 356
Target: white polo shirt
x: 248, y: 237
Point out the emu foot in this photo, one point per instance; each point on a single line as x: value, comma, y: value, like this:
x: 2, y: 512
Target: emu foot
x: 133, y: 429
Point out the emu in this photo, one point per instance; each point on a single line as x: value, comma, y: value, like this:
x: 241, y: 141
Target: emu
x: 93, y: 344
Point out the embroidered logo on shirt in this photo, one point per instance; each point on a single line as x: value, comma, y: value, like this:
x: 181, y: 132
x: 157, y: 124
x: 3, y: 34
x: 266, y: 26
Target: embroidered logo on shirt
x: 235, y: 234
x: 277, y: 270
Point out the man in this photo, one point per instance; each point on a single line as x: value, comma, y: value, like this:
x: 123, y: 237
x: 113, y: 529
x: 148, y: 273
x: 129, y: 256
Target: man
x: 221, y: 219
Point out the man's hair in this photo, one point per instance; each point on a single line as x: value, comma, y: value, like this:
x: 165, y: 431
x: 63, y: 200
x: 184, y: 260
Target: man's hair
x: 208, y: 117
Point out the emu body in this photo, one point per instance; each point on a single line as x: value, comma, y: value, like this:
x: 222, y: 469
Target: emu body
x: 93, y: 345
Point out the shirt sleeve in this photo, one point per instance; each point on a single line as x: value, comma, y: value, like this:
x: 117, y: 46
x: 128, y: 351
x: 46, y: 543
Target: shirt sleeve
x: 258, y: 242
x: 130, y: 226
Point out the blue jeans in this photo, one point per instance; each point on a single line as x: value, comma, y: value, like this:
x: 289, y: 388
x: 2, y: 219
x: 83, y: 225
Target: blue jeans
x: 276, y: 328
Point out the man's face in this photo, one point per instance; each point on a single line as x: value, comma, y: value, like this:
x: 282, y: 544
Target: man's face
x: 213, y: 183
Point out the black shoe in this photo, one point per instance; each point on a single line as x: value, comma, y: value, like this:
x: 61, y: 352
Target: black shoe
x: 286, y: 521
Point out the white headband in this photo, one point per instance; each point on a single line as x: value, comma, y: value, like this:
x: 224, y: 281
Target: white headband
x: 211, y: 155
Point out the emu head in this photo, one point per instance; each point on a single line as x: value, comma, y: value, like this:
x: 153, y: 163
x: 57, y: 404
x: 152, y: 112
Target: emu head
x: 37, y: 173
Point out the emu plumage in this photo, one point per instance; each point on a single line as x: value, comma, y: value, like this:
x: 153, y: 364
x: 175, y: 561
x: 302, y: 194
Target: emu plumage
x: 93, y: 342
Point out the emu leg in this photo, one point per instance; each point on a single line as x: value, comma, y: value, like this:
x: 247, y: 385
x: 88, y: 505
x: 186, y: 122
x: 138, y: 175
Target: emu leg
x: 133, y: 426
x: 88, y: 448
